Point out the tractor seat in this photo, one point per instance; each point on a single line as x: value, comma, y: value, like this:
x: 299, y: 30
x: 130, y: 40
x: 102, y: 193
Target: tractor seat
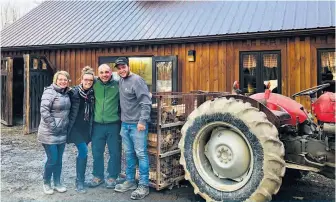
x: 283, y: 116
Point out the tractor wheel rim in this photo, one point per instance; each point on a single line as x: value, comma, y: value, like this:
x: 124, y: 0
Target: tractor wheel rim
x: 223, y: 156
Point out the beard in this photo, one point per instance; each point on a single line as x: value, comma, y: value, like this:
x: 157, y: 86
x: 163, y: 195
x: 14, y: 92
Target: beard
x: 126, y: 75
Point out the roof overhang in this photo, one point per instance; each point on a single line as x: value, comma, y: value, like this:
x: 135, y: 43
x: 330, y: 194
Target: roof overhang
x: 192, y: 39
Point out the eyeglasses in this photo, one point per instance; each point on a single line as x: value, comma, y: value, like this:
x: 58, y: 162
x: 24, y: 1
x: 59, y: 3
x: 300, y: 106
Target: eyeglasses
x: 63, y: 80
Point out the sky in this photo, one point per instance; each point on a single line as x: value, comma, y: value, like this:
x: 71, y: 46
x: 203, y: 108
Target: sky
x: 22, y: 7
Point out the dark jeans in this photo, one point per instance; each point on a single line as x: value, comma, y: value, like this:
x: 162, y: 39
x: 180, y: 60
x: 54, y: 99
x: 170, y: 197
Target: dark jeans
x: 135, y: 146
x: 53, y: 166
x: 82, y: 150
x: 106, y: 134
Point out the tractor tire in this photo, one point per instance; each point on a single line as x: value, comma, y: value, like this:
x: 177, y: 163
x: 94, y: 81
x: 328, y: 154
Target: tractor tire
x: 249, y: 137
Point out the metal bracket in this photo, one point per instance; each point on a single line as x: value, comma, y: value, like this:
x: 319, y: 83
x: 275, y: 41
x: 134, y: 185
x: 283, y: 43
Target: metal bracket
x: 303, y: 145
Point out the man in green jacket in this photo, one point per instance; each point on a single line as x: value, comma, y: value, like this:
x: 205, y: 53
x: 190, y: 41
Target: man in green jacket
x: 106, y: 128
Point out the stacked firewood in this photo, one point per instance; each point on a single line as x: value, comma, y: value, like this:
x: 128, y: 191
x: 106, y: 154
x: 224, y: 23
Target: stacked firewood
x: 169, y: 113
x: 172, y: 114
x: 169, y: 140
x: 169, y: 168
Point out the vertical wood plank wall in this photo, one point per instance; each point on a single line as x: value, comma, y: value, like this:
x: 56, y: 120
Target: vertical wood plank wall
x: 217, y: 63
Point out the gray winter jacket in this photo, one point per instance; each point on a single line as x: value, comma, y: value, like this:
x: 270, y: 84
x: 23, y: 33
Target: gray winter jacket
x: 55, y: 109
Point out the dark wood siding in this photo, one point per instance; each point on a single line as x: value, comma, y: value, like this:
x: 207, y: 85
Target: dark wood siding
x: 217, y: 63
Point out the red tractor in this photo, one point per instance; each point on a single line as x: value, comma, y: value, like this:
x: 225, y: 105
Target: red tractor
x: 238, y: 148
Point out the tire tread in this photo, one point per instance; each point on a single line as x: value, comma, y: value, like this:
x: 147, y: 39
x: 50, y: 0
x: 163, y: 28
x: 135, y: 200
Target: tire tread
x: 264, y: 130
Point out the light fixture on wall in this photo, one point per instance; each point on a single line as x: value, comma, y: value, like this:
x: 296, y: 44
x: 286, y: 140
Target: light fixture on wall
x: 191, y: 55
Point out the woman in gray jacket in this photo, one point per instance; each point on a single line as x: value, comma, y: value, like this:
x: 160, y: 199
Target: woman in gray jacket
x: 52, y: 131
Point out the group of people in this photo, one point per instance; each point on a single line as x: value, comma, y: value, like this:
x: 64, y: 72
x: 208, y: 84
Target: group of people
x: 103, y: 110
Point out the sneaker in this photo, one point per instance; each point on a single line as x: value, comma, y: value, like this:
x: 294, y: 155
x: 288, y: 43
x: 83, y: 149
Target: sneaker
x: 60, y: 188
x: 95, y: 182
x: 80, y: 187
x: 141, y: 192
x: 110, y: 183
x: 127, y: 185
x: 120, y: 180
x: 47, y: 189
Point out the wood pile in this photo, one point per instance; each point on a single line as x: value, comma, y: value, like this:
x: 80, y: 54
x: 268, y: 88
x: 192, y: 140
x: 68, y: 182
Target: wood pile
x: 169, y: 113
x: 169, y: 140
x: 169, y: 168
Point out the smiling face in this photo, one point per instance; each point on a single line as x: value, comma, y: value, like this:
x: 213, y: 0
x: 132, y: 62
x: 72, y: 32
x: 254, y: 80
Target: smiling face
x: 62, y: 81
x: 123, y: 70
x: 87, y: 81
x: 104, y: 73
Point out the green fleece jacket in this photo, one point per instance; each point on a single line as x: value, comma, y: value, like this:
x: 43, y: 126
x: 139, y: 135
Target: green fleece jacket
x: 107, y: 108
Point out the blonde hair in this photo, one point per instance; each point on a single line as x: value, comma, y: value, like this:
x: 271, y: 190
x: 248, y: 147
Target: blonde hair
x: 64, y: 73
x: 87, y: 70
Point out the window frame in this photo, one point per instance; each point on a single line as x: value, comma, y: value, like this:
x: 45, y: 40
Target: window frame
x: 319, y: 63
x: 170, y: 58
x: 106, y: 59
x: 259, y: 68
x: 174, y: 74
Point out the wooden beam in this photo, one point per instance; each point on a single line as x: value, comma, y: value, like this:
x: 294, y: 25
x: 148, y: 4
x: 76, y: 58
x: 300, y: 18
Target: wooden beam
x: 72, y: 70
x: 206, y: 67
x: 214, y: 68
x: 26, y: 111
x: 10, y: 91
x: 296, y: 67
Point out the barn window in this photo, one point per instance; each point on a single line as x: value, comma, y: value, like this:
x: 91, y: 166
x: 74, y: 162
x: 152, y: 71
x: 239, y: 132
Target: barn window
x: 259, y: 70
x: 326, y: 67
x: 164, y: 76
x: 139, y: 65
x: 142, y: 66
x: 159, y: 72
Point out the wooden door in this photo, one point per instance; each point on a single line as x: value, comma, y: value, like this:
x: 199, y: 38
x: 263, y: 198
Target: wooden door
x: 7, y: 91
x: 37, y: 75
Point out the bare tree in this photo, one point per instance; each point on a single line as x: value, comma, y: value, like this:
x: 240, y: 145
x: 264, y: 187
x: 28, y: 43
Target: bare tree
x: 9, y: 14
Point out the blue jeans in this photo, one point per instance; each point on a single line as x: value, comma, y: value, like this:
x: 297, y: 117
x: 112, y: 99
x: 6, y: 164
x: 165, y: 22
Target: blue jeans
x: 53, y: 166
x: 82, y: 150
x: 106, y: 134
x: 135, y: 147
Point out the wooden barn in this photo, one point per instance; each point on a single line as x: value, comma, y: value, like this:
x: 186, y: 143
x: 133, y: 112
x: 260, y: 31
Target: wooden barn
x: 175, y: 46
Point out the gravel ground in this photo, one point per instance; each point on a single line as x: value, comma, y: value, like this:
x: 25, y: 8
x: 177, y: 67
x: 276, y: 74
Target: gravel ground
x: 22, y: 160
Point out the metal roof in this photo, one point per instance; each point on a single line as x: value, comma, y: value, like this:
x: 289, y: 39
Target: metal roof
x: 82, y: 22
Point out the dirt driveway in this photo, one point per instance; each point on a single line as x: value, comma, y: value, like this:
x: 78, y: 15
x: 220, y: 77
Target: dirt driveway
x: 22, y: 159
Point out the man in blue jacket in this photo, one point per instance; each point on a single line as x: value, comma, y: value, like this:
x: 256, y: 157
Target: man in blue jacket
x: 135, y: 104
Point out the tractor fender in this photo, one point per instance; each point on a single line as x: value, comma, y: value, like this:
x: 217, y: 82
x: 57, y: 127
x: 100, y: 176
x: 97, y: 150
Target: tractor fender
x: 254, y: 103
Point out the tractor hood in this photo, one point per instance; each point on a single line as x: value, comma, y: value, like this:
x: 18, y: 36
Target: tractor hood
x: 283, y: 103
